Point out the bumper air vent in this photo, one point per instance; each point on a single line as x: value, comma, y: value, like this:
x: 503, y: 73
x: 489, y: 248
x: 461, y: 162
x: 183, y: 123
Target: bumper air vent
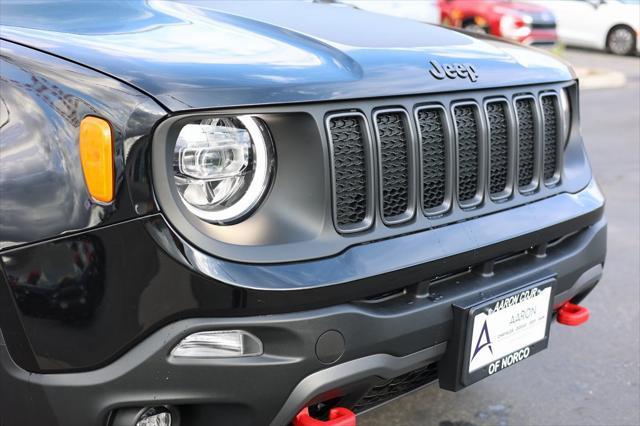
x: 396, y: 387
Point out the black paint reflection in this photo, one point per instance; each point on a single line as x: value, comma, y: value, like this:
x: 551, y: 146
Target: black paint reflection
x: 66, y: 284
x: 42, y: 101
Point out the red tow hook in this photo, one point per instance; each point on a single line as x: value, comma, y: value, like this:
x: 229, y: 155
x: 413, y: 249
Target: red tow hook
x: 572, y: 314
x: 338, y: 416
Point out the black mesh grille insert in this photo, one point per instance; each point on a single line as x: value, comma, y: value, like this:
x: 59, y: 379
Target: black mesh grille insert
x: 550, y: 137
x: 398, y: 386
x: 476, y: 149
x: 350, y: 170
x: 433, y: 157
x: 394, y: 162
x: 526, y: 141
x: 498, y: 147
x: 467, y: 135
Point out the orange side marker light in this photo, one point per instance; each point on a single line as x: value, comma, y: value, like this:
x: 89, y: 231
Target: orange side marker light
x: 96, y: 155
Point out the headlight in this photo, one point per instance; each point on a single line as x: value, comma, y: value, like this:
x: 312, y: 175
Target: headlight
x: 222, y: 166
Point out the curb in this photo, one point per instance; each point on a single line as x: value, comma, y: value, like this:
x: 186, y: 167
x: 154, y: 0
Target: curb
x: 595, y: 78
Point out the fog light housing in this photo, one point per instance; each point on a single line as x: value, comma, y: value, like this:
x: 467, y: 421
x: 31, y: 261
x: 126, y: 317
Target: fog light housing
x: 218, y: 344
x: 155, y: 416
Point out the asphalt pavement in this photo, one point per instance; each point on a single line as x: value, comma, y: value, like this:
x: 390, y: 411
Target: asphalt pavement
x: 590, y: 375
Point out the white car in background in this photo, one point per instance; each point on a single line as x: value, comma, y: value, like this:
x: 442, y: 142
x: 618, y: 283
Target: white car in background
x: 611, y: 25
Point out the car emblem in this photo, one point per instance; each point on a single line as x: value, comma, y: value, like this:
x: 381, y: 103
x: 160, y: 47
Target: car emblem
x: 453, y: 70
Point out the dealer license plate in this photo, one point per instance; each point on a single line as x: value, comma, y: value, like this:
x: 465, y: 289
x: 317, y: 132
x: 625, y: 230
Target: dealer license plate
x: 506, y: 330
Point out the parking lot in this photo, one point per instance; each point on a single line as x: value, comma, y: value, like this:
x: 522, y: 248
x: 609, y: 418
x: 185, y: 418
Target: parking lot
x: 589, y: 375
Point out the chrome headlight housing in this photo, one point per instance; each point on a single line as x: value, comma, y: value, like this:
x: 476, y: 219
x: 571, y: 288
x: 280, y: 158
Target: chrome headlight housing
x: 222, y: 166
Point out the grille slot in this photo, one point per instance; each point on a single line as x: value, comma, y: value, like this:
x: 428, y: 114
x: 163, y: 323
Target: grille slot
x: 433, y: 147
x: 396, y: 387
x: 526, y: 143
x: 499, y: 149
x: 395, y: 161
x: 468, y: 144
x: 551, y: 136
x: 350, y: 172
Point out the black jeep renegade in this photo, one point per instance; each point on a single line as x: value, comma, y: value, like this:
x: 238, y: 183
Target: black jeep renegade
x: 259, y: 213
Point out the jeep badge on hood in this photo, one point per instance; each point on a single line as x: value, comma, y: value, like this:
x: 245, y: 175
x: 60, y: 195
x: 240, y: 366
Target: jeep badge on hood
x: 454, y: 70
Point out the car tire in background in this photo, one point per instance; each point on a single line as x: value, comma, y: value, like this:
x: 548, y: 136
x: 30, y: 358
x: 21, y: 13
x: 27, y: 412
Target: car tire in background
x: 621, y: 40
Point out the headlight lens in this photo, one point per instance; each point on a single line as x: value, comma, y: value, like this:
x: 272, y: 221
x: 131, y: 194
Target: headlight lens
x: 222, y: 166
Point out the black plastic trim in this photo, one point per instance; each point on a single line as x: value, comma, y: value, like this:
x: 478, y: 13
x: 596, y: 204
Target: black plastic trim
x: 449, y: 158
x: 534, y: 185
x: 482, y: 127
x: 561, y: 131
x: 411, y: 166
x: 462, y: 243
x: 185, y: 282
x: 512, y: 137
x: 409, y: 331
x: 369, y: 158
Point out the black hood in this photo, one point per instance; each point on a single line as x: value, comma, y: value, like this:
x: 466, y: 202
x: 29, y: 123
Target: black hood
x: 209, y: 54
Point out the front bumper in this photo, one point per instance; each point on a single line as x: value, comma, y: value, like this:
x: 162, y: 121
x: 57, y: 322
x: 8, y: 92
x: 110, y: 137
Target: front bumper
x: 399, y: 334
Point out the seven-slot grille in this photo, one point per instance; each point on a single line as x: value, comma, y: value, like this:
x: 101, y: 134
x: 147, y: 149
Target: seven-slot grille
x: 477, y: 152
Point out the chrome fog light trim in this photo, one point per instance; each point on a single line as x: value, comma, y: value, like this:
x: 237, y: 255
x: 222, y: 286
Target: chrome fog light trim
x: 155, y: 416
x: 218, y: 344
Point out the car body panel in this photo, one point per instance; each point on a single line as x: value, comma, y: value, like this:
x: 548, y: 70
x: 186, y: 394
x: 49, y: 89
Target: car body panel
x: 93, y: 296
x: 128, y: 301
x: 420, y: 10
x: 211, y: 54
x: 43, y: 100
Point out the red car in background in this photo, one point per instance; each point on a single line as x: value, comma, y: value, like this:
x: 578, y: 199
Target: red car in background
x: 522, y: 22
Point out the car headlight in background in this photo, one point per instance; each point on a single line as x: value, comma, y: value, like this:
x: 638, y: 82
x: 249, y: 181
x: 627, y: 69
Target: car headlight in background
x: 222, y: 166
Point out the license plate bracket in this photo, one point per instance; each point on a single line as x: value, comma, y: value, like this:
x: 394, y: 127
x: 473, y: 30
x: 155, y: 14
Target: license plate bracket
x: 493, y: 334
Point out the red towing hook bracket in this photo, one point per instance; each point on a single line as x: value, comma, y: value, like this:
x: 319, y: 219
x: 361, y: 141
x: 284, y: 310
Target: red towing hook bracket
x: 572, y: 314
x: 338, y: 416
